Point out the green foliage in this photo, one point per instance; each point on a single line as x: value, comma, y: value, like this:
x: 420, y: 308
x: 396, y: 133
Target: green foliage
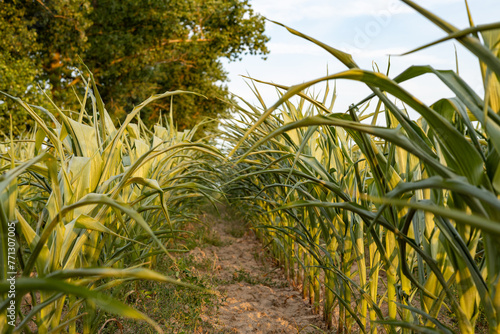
x: 18, y: 66
x: 176, y: 308
x: 135, y: 49
x: 391, y: 225
x: 92, y: 207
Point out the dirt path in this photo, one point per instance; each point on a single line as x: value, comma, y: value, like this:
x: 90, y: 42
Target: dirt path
x: 256, y: 298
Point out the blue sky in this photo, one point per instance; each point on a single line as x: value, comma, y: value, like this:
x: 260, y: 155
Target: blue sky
x: 369, y: 30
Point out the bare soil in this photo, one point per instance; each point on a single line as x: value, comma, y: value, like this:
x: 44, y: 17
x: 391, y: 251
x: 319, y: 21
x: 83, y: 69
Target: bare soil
x: 256, y: 298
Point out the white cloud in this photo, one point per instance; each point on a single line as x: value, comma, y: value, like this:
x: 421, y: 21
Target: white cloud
x: 414, y: 58
x: 290, y: 11
x: 295, y: 49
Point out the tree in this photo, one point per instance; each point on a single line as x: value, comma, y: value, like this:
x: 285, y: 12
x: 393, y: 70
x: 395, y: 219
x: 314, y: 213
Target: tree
x: 18, y: 68
x: 135, y: 48
x: 34, y: 37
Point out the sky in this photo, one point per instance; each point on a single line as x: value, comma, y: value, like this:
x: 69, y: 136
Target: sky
x: 370, y: 30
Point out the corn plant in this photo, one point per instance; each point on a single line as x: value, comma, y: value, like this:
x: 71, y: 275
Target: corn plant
x: 392, y: 225
x: 93, y: 206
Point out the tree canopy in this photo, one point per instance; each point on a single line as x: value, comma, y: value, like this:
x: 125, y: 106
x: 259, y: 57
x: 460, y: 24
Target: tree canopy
x: 135, y: 48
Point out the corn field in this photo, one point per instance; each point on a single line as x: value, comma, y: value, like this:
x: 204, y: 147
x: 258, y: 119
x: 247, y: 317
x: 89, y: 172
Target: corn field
x: 385, y: 228
x: 93, y: 206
